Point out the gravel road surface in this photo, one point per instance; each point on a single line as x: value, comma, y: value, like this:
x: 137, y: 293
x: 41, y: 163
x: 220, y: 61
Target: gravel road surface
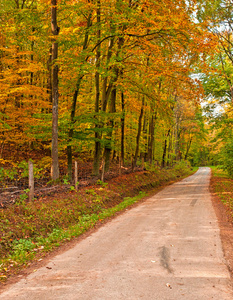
x: 166, y: 248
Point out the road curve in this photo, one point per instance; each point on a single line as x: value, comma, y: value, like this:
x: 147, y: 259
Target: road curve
x: 167, y: 248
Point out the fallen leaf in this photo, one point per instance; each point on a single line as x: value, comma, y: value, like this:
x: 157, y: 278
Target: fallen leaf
x: 168, y: 285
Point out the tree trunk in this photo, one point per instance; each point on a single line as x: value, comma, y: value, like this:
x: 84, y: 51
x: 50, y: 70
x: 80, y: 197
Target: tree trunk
x: 165, y: 149
x: 122, y: 129
x: 112, y: 109
x: 71, y: 129
x: 74, y: 102
x: 138, y: 136
x: 177, y: 145
x: 143, y: 154
x: 170, y: 149
x: 151, y: 139
x: 108, y: 147
x: 32, y: 57
x: 49, y: 79
x: 188, y: 148
x: 106, y: 89
x: 97, y: 153
x: 177, y: 132
x: 106, y: 92
x: 55, y: 31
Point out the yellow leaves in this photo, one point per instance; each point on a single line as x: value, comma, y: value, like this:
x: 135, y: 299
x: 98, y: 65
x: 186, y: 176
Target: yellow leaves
x: 154, y: 59
x: 65, y: 31
x: 33, y: 38
x: 75, y: 30
x: 46, y: 26
x: 6, y: 162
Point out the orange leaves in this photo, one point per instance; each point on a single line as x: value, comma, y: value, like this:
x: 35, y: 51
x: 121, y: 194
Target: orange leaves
x: 155, y: 46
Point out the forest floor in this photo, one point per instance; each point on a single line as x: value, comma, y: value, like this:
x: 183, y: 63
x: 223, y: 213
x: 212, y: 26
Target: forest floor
x: 221, y: 188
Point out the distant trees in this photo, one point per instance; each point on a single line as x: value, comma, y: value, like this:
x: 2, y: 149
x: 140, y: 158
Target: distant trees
x: 218, y: 81
x: 124, y: 83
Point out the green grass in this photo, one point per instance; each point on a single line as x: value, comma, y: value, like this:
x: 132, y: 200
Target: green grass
x: 29, y: 230
x: 24, y: 250
x: 195, y: 169
x: 222, y: 186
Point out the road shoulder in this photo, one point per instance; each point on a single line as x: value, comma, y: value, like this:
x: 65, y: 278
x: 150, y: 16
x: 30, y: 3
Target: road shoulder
x: 226, y: 229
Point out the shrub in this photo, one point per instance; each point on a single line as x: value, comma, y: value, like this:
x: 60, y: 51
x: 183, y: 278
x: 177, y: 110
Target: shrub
x: 182, y: 166
x: 227, y: 158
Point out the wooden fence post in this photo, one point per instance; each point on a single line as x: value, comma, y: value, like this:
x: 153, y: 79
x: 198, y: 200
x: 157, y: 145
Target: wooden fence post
x: 76, y: 174
x: 119, y: 165
x: 31, y: 180
x: 103, y: 169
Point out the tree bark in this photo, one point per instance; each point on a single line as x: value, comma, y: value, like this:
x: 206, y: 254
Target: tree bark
x: 170, y: 149
x: 177, y: 131
x: 74, y: 103
x: 188, y: 148
x: 55, y: 31
x: 122, y: 129
x: 97, y: 153
x: 106, y: 89
x: 108, y: 146
x: 112, y: 109
x: 49, y: 79
x: 138, y: 136
x: 71, y: 130
x: 165, y: 149
x: 106, y: 92
x: 151, y: 138
x: 32, y: 57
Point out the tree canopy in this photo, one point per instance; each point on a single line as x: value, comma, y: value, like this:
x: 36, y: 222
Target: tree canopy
x: 131, y: 76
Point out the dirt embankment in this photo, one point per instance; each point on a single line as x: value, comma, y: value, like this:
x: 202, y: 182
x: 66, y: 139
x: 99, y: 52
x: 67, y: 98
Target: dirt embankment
x: 225, y: 224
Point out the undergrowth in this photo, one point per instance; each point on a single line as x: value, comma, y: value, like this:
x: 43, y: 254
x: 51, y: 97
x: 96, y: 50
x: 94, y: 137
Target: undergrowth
x: 28, y: 229
x: 222, y: 186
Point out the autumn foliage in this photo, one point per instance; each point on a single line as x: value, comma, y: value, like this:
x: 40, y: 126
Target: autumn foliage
x: 126, y: 89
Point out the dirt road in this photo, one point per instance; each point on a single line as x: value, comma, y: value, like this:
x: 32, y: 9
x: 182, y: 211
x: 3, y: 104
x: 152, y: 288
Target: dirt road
x: 167, y: 248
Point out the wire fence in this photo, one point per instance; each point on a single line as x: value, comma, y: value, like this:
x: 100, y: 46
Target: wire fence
x: 15, y: 185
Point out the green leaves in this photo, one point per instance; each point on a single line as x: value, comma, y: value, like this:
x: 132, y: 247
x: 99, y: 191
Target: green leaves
x: 227, y: 158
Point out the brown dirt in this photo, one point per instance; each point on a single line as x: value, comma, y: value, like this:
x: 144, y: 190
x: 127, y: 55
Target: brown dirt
x: 225, y: 225
x: 44, y: 257
x: 226, y: 229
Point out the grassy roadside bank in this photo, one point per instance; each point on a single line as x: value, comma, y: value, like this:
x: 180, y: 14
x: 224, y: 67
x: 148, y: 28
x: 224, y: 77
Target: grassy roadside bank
x: 222, y: 187
x: 29, y: 230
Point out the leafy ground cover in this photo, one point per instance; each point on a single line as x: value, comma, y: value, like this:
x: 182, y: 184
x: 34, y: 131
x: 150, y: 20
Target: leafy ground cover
x: 222, y: 187
x: 30, y: 230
